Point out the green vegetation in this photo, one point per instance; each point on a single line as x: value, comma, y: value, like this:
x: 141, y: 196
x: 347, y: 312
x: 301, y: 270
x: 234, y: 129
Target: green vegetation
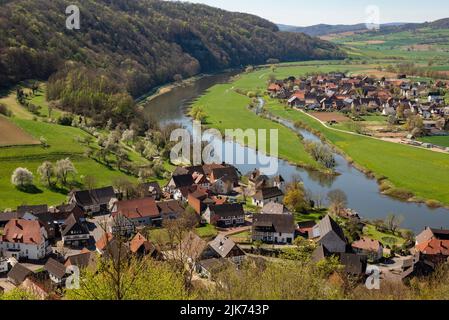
x: 153, y: 42
x: 439, y: 141
x: 207, y: 231
x: 387, y: 239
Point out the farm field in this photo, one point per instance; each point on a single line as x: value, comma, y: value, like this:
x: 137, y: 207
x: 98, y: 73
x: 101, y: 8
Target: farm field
x: 330, y: 116
x: 12, y: 135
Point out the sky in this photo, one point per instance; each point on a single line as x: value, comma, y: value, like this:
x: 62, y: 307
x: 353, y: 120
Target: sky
x: 310, y: 12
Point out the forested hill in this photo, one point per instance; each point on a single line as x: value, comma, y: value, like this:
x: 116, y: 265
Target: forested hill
x: 141, y: 43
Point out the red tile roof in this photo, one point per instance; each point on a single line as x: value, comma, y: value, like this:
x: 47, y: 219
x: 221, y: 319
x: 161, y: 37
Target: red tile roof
x: 138, y: 208
x: 434, y: 247
x: 104, y: 241
x: 23, y: 231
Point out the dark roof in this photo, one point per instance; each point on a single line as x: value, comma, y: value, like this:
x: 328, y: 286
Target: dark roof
x: 36, y: 210
x: 184, y: 180
x: 19, y: 273
x: 6, y: 216
x: 82, y: 260
x: 222, y: 245
x: 354, y: 264
x: 55, y: 268
x: 227, y: 172
x: 320, y: 253
x: 440, y: 234
x: 73, y: 223
x: 284, y: 223
x: 268, y: 193
x: 327, y: 224
x: 63, y: 211
x: 227, y: 210
x: 151, y: 189
x: 168, y: 207
x: 94, y: 197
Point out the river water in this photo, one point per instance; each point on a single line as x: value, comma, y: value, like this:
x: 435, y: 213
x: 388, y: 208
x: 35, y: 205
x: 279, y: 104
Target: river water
x: 362, y: 192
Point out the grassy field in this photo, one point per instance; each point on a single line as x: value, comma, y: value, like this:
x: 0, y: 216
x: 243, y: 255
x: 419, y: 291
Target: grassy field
x: 439, y: 141
x: 385, y: 238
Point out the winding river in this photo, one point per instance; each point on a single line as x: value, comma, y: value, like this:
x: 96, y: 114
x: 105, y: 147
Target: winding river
x: 362, y: 192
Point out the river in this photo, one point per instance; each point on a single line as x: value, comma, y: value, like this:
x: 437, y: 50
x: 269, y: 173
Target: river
x: 362, y: 192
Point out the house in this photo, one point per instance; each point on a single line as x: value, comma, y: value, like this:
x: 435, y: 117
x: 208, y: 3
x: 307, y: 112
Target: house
x: 169, y: 210
x: 433, y: 246
x: 103, y: 242
x: 4, y: 265
x: 225, y: 215
x: 56, y: 271
x: 140, y: 246
x: 62, y: 212
x: 85, y: 259
x: 373, y: 249
x: 354, y: 264
x: 274, y: 208
x: 225, y: 248
x: 110, y: 247
x: 198, y: 251
x: 6, y: 216
x: 177, y: 183
x: 74, y: 232
x: 150, y: 189
x: 94, y: 201
x: 278, y: 181
x: 199, y: 200
x: 224, y: 180
x: 329, y: 234
x: 35, y: 210
x: 208, y: 268
x: 274, y: 228
x: 141, y: 212
x: 18, y: 274
x: 25, y: 239
x: 266, y: 195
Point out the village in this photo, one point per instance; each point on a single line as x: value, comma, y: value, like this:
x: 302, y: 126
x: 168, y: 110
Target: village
x: 398, y: 109
x: 40, y: 245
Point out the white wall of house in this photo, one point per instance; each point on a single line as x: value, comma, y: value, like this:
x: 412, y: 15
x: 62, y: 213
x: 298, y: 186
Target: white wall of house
x: 26, y: 251
x: 262, y: 203
x: 276, y: 237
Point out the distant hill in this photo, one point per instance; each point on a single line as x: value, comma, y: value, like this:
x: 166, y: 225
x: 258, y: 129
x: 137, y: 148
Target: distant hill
x: 142, y: 43
x: 326, y: 29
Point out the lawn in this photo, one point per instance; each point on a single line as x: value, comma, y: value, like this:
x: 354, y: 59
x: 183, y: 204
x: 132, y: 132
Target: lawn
x: 439, y: 141
x: 207, y: 231
x: 385, y: 238
x: 423, y: 172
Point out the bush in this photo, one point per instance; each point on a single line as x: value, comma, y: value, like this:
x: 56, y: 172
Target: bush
x: 4, y: 110
x: 65, y: 120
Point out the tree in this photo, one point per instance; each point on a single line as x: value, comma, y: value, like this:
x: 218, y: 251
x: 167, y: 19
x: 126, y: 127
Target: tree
x: 22, y: 178
x: 198, y: 113
x: 337, y: 200
x: 415, y: 125
x: 178, y: 78
x: 46, y: 171
x: 90, y: 182
x: 64, y: 168
x: 128, y: 136
x: 393, y: 222
x: 295, y: 199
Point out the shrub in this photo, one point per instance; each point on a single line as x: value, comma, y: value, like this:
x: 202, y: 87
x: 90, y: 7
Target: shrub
x: 4, y: 110
x: 65, y: 120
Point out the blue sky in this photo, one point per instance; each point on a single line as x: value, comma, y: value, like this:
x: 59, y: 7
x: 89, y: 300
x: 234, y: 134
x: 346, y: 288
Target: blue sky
x: 304, y: 13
